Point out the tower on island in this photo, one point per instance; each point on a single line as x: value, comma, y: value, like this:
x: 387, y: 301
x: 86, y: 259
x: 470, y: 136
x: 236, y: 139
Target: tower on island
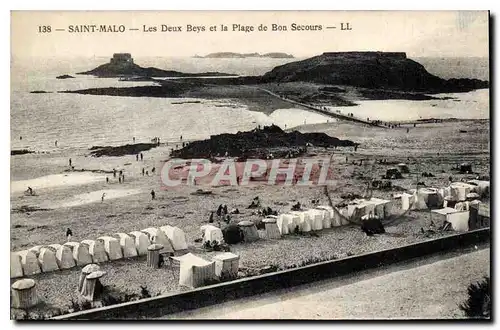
x: 121, y: 58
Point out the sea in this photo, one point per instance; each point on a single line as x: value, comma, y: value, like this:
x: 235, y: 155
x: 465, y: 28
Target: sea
x: 81, y: 121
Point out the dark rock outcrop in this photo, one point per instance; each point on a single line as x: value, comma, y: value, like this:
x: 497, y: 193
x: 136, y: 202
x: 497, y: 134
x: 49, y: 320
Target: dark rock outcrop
x: 128, y: 149
x: 251, y: 144
x: 65, y: 76
x: 369, y: 70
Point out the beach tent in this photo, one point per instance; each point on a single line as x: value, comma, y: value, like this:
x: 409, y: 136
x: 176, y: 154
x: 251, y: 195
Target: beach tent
x: 195, y: 271
x: 407, y: 201
x: 304, y: 221
x: 459, y: 220
x: 283, y: 223
x: 127, y: 244
x: 272, y: 230
x: 459, y: 190
x: 176, y: 237
x: 212, y: 233
x: 427, y: 198
x: 96, y: 250
x: 16, y: 269
x: 47, y: 260
x: 328, y: 216
x: 141, y: 241
x: 80, y: 253
x: 112, y: 247
x: 29, y: 263
x: 316, y: 217
x: 249, y: 230
x: 157, y: 236
x: 482, y: 187
x: 64, y: 256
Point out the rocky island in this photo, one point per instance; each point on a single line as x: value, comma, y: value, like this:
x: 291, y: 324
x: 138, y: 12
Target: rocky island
x: 329, y: 79
x: 64, y: 76
x: 122, y: 65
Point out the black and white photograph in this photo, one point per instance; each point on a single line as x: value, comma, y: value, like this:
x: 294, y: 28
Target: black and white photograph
x: 250, y: 165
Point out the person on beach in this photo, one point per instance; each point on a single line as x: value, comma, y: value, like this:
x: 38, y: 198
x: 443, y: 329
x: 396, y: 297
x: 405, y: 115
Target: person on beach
x: 137, y: 157
x: 142, y: 156
x: 121, y: 172
x: 102, y: 197
x: 152, y: 194
x: 407, y: 130
x: 30, y: 191
x: 70, y: 162
x: 153, y: 170
x: 181, y: 137
x: 107, y: 180
x: 120, y: 179
x: 123, y: 178
x: 69, y: 234
x: 147, y: 173
x: 20, y: 138
x: 114, y: 173
x: 55, y: 143
x: 133, y: 139
x: 143, y: 171
x: 346, y: 159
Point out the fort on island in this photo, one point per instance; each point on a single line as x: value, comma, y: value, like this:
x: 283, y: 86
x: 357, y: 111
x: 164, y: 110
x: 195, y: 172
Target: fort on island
x: 121, y: 58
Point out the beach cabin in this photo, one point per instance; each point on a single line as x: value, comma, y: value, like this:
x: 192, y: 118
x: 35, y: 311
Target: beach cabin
x: 16, y: 269
x: 112, y: 247
x: 195, y: 271
x: 212, y: 233
x: 47, y: 260
x: 157, y: 236
x: 64, y: 256
x: 176, y: 236
x: 29, y: 263
x: 305, y: 222
x: 96, y: 250
x: 459, y: 220
x: 80, y: 253
x: 127, y: 245
x: 141, y: 241
x: 327, y: 215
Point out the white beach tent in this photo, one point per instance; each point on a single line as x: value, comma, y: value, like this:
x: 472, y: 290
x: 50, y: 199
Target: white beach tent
x: 176, y: 236
x: 141, y: 241
x: 459, y: 220
x: 316, y: 217
x: 157, y: 236
x: 29, y: 262
x: 96, y: 250
x: 47, y: 260
x: 304, y: 220
x: 328, y: 216
x: 64, y: 256
x: 127, y: 244
x: 283, y: 223
x: 194, y: 271
x: 212, y: 233
x: 459, y: 190
x: 80, y: 253
x: 112, y: 247
x: 16, y: 269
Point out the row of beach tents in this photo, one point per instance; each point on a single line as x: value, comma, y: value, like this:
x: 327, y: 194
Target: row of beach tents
x: 48, y: 258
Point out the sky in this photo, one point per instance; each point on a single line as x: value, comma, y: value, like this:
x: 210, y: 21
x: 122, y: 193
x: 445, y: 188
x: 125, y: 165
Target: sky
x: 418, y: 33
